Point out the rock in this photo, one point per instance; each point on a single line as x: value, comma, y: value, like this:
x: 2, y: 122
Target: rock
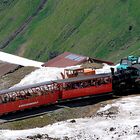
x: 112, y: 129
x: 136, y: 126
x: 73, y: 121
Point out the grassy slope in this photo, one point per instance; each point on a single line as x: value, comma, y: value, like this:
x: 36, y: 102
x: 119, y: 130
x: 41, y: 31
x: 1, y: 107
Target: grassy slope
x: 13, y: 13
x: 96, y: 28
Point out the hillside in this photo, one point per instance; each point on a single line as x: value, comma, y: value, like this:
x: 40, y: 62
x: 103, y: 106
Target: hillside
x: 104, y: 29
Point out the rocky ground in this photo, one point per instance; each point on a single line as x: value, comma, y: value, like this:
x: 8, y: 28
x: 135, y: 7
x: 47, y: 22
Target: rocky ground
x: 11, y: 79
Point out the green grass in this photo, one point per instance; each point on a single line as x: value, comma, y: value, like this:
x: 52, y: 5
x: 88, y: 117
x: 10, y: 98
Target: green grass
x: 13, y: 13
x: 96, y: 28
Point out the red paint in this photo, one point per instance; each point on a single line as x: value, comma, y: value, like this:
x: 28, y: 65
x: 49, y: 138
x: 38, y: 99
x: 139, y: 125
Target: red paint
x: 58, y: 93
x: 50, y: 98
x: 93, y: 90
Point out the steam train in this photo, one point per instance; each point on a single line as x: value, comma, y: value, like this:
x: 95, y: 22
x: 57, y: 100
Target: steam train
x: 52, y: 92
x: 127, y: 76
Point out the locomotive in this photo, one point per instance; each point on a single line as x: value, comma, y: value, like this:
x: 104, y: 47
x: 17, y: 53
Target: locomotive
x: 127, y: 76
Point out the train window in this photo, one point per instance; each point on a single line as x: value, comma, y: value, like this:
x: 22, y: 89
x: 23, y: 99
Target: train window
x: 51, y: 88
x: 46, y: 87
x: 38, y: 90
x: 12, y: 96
x: 93, y: 83
x: 34, y: 90
x: 28, y: 93
x: 139, y: 60
x: 42, y: 88
x: 6, y: 98
x: 23, y: 95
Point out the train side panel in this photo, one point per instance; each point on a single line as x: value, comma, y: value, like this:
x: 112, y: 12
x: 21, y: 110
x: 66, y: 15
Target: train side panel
x: 49, y: 98
x: 92, y: 90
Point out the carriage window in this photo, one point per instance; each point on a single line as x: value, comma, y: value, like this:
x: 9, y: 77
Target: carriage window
x: 5, y: 98
x: 42, y: 88
x: 46, y: 87
x: 28, y: 92
x: 139, y: 60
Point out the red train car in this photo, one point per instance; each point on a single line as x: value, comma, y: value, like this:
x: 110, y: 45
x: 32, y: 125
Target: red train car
x: 45, y: 93
x: 86, y: 86
x: 15, y: 99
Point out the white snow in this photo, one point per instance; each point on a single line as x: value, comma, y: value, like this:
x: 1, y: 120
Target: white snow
x: 105, y: 69
x: 44, y: 73
x: 13, y: 59
x: 53, y: 73
x: 41, y: 75
x: 124, y: 125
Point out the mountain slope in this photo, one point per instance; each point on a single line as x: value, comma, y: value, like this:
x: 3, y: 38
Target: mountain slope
x: 104, y: 29
x: 13, y: 13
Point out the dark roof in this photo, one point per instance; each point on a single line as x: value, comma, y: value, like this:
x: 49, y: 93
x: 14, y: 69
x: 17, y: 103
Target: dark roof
x: 6, y: 68
x: 101, y: 61
x: 66, y: 59
x: 71, y: 59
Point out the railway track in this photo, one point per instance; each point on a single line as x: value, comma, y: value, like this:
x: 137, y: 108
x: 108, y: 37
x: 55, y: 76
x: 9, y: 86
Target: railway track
x: 42, y: 110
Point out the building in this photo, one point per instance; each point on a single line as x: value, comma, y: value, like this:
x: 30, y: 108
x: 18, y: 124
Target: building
x: 71, y: 59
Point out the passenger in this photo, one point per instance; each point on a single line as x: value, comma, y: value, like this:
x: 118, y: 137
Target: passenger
x: 6, y: 98
x: 82, y: 85
x: 76, y: 85
x: 34, y: 93
x: 1, y: 101
x: 28, y: 93
x: 13, y: 96
x: 93, y: 83
x: 106, y: 80
x: 42, y: 89
x: 86, y: 84
x: 38, y: 91
x: 23, y: 95
x: 69, y: 86
x: 102, y: 80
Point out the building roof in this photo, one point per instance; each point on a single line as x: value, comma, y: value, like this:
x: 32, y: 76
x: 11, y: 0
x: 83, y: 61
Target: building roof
x: 66, y: 59
x: 71, y: 59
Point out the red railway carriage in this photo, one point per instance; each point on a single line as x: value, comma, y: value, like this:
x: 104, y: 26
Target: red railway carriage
x: 45, y: 93
x: 28, y: 96
x: 86, y: 86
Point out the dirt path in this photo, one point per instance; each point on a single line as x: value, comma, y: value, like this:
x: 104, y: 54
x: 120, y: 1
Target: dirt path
x: 23, y: 26
x: 15, y: 77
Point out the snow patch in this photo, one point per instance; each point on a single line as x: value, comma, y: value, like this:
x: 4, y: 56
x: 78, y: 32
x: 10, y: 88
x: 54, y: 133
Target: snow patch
x: 125, y: 125
x: 43, y: 74
x: 105, y: 69
x: 13, y: 59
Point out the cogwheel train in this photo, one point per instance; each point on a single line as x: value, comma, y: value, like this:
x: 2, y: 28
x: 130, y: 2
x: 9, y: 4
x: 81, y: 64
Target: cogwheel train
x: 45, y: 93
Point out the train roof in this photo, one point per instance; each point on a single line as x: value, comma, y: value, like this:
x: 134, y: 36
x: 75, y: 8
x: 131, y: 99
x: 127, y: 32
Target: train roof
x: 75, y: 79
x: 135, y: 66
